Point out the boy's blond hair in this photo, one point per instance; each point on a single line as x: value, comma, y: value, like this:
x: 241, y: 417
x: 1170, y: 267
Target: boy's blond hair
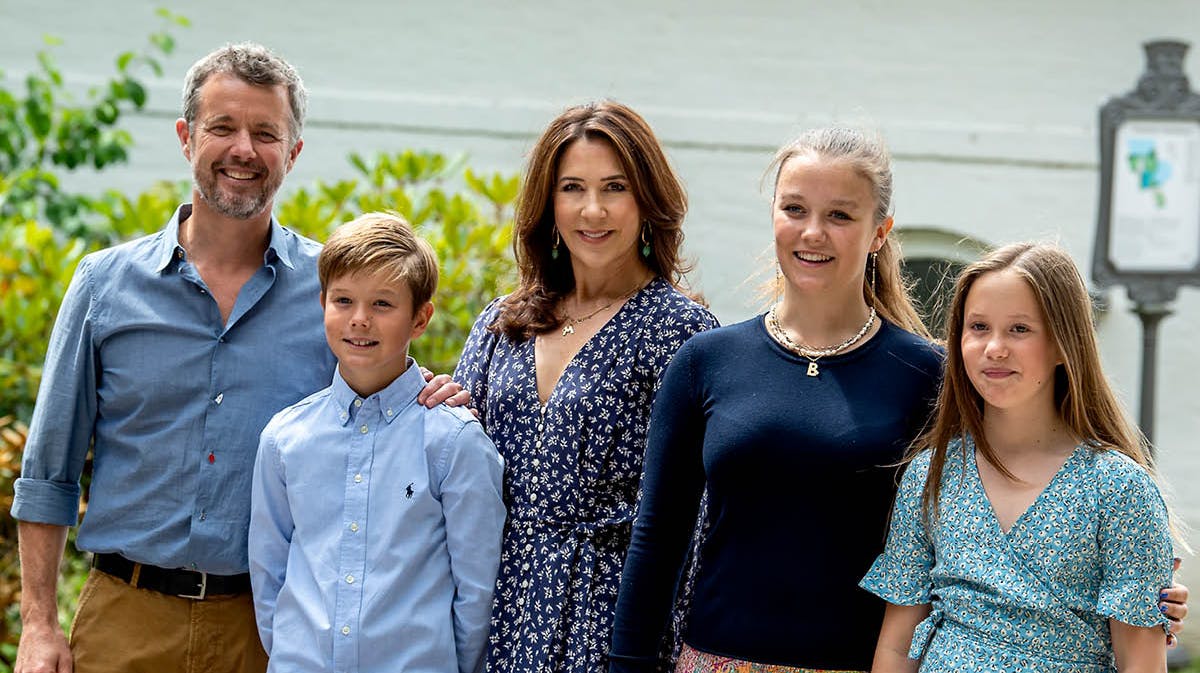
x: 381, y: 243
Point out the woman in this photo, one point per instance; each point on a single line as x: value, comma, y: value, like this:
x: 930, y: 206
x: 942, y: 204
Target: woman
x: 563, y: 372
x: 787, y: 420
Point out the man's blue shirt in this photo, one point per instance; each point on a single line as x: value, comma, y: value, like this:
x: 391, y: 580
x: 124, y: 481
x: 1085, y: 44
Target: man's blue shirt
x: 140, y: 363
x: 375, y: 533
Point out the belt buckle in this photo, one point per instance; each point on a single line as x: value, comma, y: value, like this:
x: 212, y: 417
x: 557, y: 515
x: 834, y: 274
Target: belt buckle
x: 203, y: 587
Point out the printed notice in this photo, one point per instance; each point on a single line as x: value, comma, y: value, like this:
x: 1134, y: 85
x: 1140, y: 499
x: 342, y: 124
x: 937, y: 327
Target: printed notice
x: 1155, y: 222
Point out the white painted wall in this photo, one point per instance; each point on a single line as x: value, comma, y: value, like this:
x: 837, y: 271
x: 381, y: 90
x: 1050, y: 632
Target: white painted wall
x: 990, y: 108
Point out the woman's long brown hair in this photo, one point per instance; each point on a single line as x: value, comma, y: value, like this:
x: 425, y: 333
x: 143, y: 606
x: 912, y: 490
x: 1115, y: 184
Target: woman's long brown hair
x: 661, y: 201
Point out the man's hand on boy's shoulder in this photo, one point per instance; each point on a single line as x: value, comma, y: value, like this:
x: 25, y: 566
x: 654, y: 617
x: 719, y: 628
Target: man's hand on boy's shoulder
x: 442, y: 389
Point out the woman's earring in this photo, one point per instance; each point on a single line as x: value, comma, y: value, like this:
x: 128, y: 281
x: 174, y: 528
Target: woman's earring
x: 554, y: 250
x: 646, y: 239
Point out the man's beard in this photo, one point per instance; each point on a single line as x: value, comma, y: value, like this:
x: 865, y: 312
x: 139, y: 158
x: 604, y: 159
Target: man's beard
x: 235, y: 205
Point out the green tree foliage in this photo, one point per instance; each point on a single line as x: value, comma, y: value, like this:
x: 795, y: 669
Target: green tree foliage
x: 45, y: 231
x: 44, y: 129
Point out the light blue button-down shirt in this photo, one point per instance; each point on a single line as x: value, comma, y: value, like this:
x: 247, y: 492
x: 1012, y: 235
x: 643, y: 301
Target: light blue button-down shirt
x: 375, y: 533
x: 140, y: 363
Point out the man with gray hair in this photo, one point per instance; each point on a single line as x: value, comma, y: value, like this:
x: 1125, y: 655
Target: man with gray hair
x: 169, y: 355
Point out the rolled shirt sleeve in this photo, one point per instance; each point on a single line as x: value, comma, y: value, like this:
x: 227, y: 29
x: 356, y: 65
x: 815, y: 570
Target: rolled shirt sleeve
x: 61, y: 430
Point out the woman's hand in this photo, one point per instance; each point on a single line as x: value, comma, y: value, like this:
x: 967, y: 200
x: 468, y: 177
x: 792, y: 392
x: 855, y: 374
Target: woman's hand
x: 1173, y: 602
x: 442, y: 389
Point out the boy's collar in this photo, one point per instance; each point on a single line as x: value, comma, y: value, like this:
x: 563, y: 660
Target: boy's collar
x: 392, y: 400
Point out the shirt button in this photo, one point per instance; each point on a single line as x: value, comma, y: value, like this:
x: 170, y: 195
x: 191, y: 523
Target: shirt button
x: 345, y: 630
x: 193, y: 565
x: 363, y: 429
x: 358, y: 403
x: 533, y: 497
x: 203, y: 291
x: 203, y: 515
x: 178, y: 254
x: 388, y: 412
x: 219, y: 398
x: 344, y: 415
x: 349, y: 579
x: 358, y: 478
x: 354, y: 527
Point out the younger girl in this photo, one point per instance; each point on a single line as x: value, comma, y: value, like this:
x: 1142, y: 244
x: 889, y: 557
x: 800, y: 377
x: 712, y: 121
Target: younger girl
x: 1028, y: 533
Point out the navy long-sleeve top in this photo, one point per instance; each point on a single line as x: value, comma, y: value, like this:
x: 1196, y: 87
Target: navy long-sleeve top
x: 800, y: 473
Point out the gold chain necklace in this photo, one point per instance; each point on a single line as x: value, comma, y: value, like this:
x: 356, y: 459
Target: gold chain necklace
x: 808, y: 352
x: 569, y: 328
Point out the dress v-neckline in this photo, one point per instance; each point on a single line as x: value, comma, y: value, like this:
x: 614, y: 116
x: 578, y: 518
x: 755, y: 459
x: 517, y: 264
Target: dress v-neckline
x: 1020, y: 520
x: 537, y: 393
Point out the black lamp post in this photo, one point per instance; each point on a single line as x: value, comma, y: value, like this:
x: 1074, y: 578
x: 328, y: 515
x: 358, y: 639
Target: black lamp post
x: 1148, y: 230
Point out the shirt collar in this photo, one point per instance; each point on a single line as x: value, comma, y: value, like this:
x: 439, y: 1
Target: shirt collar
x: 392, y: 399
x: 279, y: 247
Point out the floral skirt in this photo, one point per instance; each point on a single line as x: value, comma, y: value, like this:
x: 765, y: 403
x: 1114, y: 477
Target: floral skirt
x: 694, y: 661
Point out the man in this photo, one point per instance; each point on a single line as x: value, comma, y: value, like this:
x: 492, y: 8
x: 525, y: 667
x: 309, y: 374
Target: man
x: 169, y: 355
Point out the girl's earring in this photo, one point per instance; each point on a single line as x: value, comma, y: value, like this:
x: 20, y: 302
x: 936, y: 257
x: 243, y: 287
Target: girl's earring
x: 554, y: 249
x: 646, y: 239
x: 874, y: 265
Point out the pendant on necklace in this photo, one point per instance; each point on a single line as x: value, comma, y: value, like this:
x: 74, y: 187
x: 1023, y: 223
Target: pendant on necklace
x: 569, y: 329
x: 812, y: 368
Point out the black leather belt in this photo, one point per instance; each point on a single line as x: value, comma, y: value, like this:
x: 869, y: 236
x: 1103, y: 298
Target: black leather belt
x: 174, y: 582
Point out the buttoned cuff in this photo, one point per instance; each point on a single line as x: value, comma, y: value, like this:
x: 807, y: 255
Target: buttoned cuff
x: 43, y: 501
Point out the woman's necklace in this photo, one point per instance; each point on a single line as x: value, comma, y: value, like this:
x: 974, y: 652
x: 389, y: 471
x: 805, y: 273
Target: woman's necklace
x: 569, y: 328
x: 808, y: 352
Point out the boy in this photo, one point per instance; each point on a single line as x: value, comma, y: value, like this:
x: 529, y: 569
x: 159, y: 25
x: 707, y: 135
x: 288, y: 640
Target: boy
x: 375, y: 523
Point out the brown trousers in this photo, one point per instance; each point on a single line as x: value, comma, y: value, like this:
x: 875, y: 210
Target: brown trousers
x: 122, y: 629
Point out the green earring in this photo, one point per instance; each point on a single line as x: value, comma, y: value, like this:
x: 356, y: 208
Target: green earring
x: 554, y: 250
x: 646, y: 239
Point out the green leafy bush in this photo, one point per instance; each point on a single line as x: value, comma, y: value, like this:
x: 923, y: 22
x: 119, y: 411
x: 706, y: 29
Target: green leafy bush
x: 468, y: 223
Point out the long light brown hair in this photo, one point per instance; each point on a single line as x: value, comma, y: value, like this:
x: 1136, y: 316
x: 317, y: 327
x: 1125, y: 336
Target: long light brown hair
x: 661, y: 201
x: 868, y: 155
x: 1085, y: 401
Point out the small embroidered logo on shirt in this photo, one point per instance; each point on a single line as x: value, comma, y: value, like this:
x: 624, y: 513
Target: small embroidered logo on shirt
x: 408, y: 492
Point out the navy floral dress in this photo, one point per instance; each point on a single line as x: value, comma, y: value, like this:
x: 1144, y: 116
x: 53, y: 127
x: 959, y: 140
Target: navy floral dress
x: 572, y: 471
x: 1094, y: 545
